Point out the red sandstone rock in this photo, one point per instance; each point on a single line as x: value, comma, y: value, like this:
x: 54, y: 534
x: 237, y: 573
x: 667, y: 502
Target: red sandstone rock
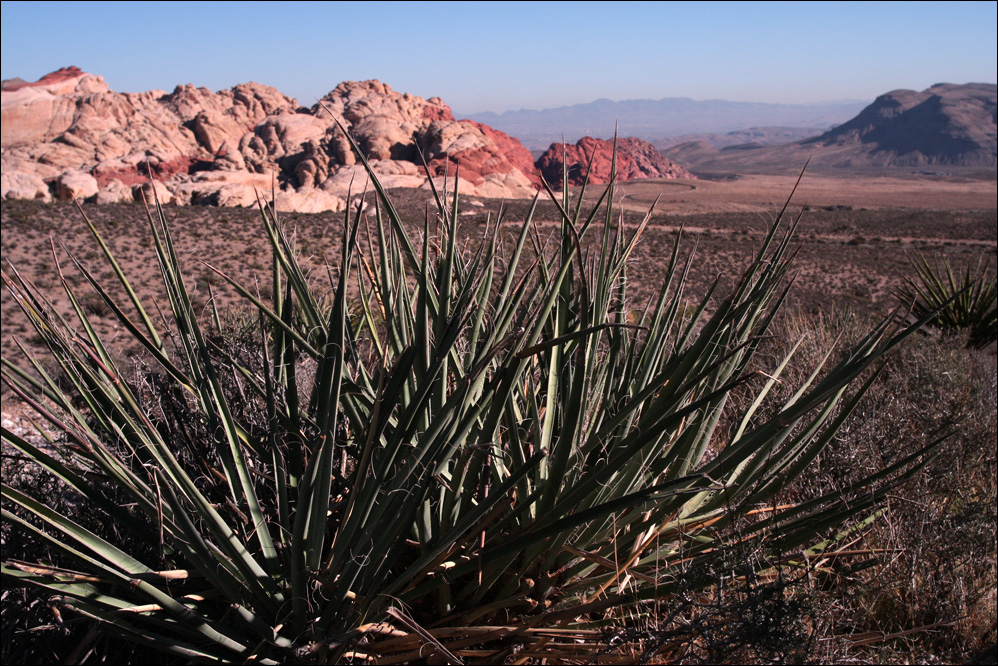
x: 138, y: 171
x: 514, y: 151
x: 635, y: 159
x: 435, y: 109
x: 465, y: 149
x: 58, y: 76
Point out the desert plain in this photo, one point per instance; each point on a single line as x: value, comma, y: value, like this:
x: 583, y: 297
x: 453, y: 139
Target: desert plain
x: 857, y: 233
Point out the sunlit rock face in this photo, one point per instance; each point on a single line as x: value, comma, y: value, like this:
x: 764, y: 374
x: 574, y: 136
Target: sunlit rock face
x: 68, y: 135
x: 594, y: 157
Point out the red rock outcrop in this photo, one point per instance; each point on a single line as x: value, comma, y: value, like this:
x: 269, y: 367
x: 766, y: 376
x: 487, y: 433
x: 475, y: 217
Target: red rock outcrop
x: 488, y: 159
x: 635, y: 159
x: 514, y: 151
x: 218, y: 148
x: 58, y: 76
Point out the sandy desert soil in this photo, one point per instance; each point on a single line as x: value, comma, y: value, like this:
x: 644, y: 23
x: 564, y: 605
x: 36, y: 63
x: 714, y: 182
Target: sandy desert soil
x: 761, y: 193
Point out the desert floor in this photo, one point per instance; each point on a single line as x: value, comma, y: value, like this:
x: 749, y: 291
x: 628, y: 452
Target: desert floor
x: 762, y: 193
x: 856, y: 234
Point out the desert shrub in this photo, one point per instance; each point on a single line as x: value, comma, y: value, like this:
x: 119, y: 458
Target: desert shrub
x: 486, y: 458
x: 931, y: 593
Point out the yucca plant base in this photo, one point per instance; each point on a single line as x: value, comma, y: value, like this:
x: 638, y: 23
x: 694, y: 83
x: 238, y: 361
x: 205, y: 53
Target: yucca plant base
x: 459, y: 456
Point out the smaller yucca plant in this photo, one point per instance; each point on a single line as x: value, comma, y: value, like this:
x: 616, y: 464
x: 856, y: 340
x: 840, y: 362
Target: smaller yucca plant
x: 952, y: 302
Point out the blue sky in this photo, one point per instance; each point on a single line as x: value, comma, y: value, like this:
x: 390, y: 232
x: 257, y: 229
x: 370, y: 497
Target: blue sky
x: 481, y: 56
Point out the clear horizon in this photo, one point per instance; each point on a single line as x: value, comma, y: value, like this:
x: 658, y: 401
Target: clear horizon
x: 508, y: 56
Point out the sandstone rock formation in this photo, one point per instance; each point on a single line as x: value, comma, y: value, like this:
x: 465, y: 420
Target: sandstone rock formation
x: 76, y: 185
x: 635, y: 159
x: 67, y: 135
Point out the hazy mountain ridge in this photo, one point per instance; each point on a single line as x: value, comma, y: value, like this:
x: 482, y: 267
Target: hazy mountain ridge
x: 763, y: 136
x: 656, y: 119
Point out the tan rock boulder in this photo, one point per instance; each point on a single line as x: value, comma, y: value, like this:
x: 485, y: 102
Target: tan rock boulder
x: 228, y: 157
x: 391, y: 173
x: 352, y: 101
x: 508, y: 185
x: 309, y: 201
x: 280, y: 137
x: 339, y: 148
x: 233, y: 195
x: 313, y: 169
x: 444, y: 137
x: 225, y: 188
x: 153, y: 191
x: 20, y: 185
x: 115, y: 192
x: 76, y: 185
x: 386, y: 138
x: 229, y: 114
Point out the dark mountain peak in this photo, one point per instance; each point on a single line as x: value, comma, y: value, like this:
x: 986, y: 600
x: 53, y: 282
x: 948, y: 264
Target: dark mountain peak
x: 947, y: 124
x: 944, y: 124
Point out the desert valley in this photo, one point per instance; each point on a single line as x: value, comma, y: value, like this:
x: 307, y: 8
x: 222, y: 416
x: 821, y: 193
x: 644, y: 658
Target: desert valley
x: 911, y: 172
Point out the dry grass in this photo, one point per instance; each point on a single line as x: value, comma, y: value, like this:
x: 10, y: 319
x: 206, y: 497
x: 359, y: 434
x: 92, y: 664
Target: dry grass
x: 851, y: 257
x: 931, y: 597
x: 761, y: 193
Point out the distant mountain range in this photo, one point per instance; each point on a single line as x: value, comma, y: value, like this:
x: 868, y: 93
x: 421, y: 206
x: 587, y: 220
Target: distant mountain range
x: 762, y: 136
x: 652, y: 120
x: 946, y: 125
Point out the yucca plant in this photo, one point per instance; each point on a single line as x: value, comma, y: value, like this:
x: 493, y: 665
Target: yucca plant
x: 967, y: 302
x: 461, y: 452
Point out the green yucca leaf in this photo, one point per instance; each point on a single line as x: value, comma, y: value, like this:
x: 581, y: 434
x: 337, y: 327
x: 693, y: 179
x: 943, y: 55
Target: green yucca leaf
x: 464, y: 429
x: 968, y: 303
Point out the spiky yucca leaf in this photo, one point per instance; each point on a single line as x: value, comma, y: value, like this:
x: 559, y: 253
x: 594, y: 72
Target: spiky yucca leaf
x: 457, y: 447
x: 967, y: 302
